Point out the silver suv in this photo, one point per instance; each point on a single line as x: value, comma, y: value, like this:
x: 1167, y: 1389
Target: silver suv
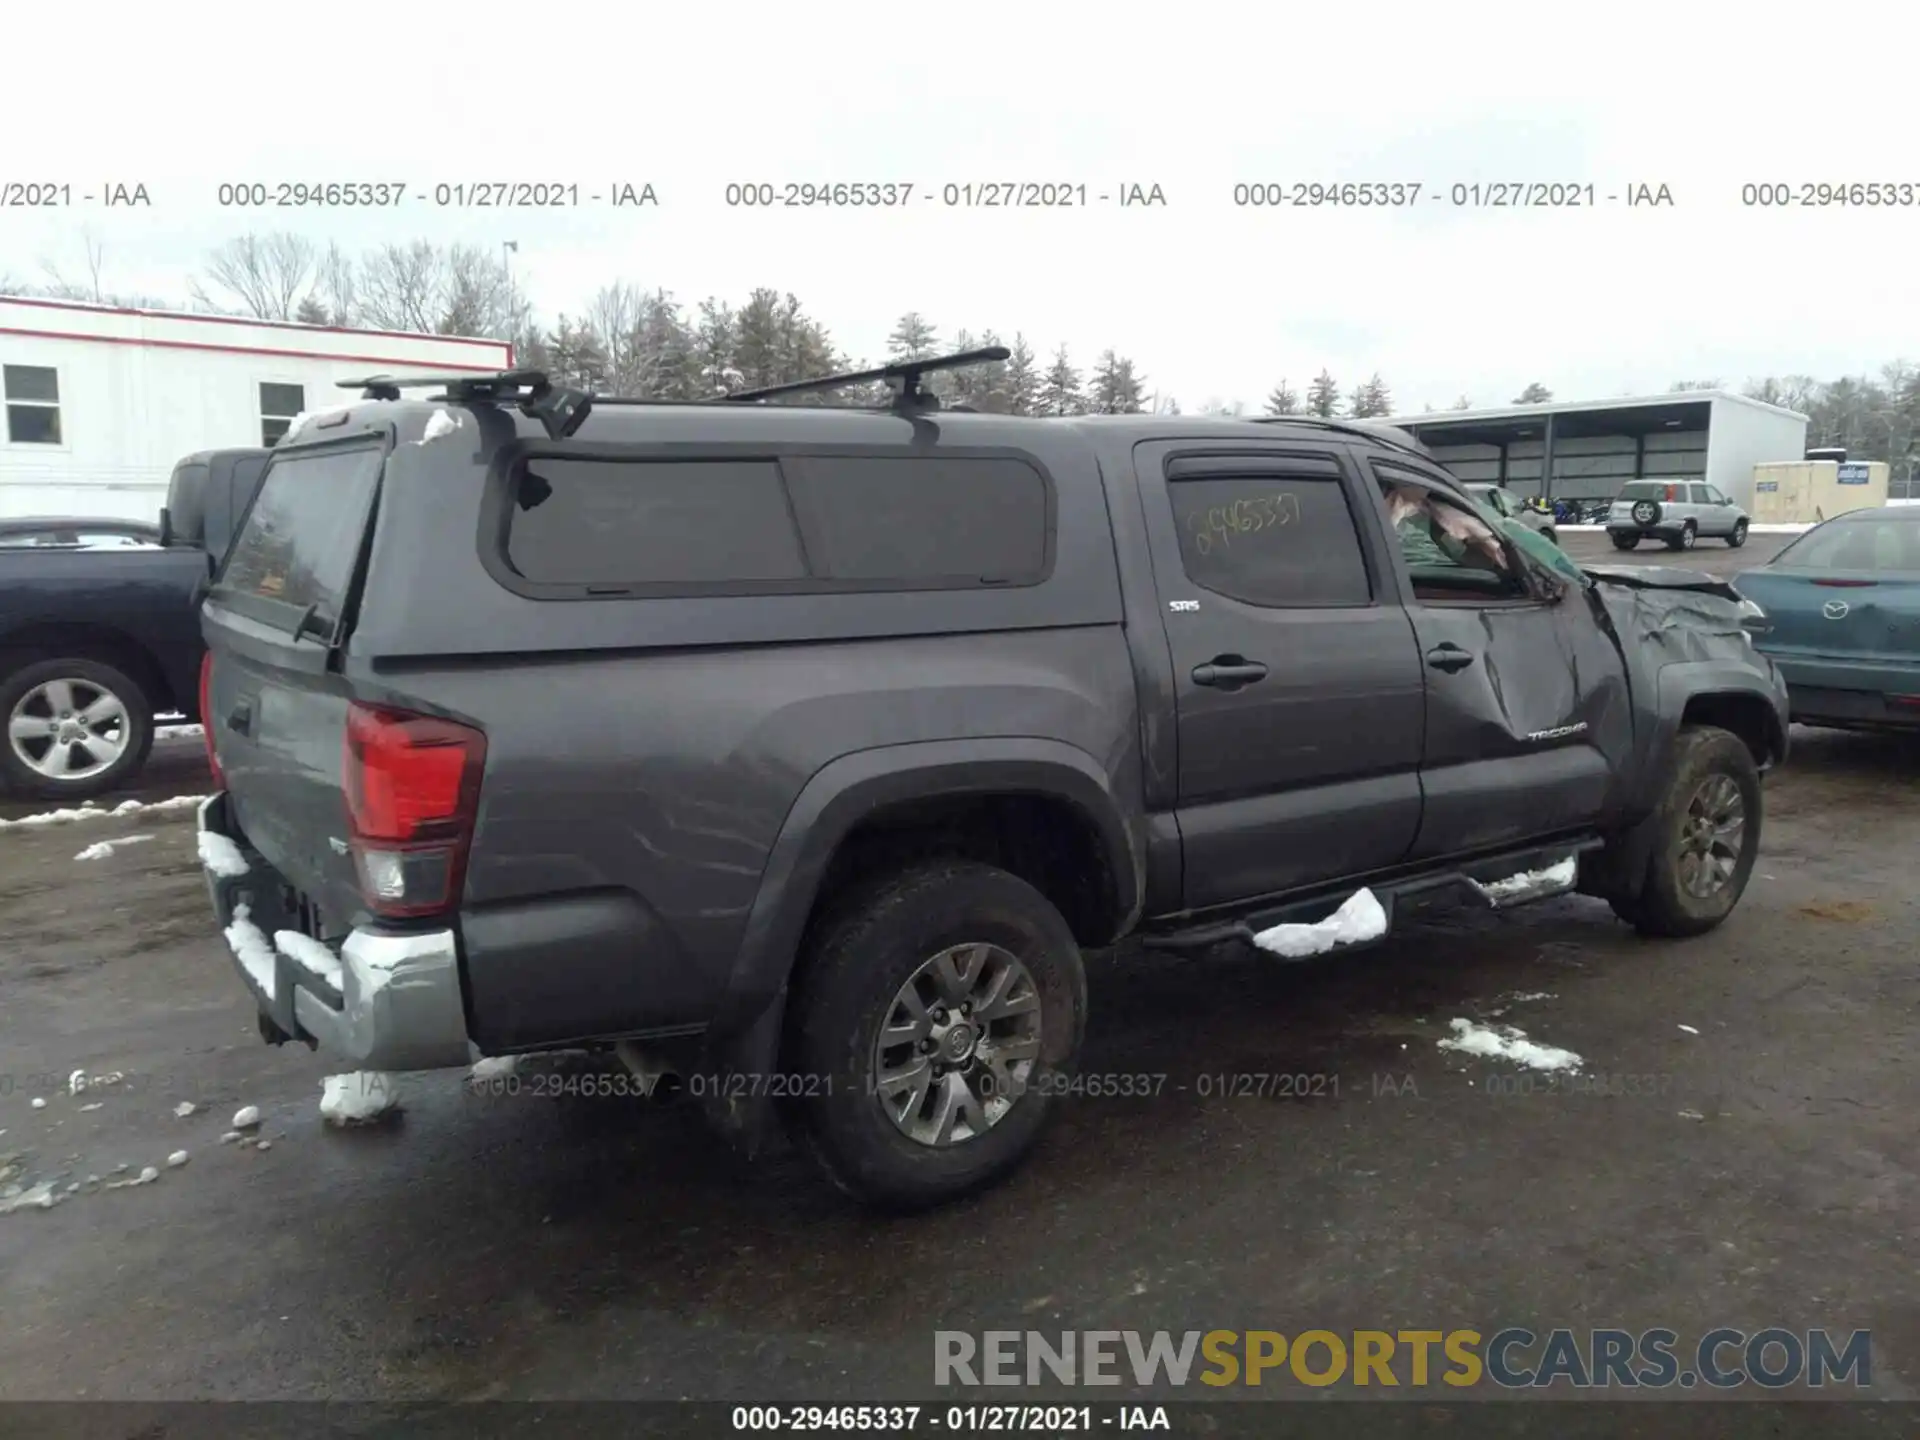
x: 1509, y: 506
x: 1676, y: 511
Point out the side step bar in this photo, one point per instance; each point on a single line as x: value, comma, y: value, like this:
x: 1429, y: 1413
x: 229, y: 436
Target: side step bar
x: 1501, y: 881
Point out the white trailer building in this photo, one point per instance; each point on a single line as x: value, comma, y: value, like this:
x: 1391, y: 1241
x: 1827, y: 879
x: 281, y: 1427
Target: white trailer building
x: 1586, y: 450
x: 101, y: 401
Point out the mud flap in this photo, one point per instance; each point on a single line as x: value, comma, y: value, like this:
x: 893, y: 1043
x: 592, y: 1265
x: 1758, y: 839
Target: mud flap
x: 736, y: 1096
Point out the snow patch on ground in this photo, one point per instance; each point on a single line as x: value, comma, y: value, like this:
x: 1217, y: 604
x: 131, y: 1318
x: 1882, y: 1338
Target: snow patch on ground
x: 40, y: 1197
x: 357, y: 1097
x: 1527, y: 880
x: 252, y: 949
x: 101, y: 849
x: 493, y: 1067
x: 246, y: 1117
x: 1689, y: 1029
x: 1797, y: 529
x: 1504, y: 1042
x: 1361, y: 918
x: 309, y: 952
x: 95, y: 812
x: 221, y: 855
x: 170, y: 732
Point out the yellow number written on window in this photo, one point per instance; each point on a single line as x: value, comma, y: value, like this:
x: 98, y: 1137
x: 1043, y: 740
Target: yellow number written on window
x: 1220, y: 525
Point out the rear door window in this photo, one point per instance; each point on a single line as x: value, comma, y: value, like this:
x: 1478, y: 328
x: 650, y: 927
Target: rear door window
x: 301, y: 542
x: 1276, y: 539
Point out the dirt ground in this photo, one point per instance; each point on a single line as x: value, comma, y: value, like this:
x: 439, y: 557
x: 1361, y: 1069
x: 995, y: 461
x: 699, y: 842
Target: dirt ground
x: 1760, y: 1171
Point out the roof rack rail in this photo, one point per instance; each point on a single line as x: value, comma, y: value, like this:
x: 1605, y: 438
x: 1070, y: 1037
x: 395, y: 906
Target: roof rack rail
x: 559, y: 410
x: 1384, y: 434
x: 902, y: 377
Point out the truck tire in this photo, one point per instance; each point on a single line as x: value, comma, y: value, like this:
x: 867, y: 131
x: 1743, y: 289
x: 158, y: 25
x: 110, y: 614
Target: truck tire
x: 936, y: 1012
x: 1707, y: 836
x: 75, y: 728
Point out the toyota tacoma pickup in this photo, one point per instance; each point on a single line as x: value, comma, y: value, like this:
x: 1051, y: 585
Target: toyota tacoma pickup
x: 805, y: 748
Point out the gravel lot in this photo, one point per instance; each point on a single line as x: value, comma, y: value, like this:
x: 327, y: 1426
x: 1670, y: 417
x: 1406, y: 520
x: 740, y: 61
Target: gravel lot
x: 573, y: 1248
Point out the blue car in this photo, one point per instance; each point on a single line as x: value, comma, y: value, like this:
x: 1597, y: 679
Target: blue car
x: 1842, y: 619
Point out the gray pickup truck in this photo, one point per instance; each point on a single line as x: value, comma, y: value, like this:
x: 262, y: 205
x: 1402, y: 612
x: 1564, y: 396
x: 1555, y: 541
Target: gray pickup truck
x: 802, y: 749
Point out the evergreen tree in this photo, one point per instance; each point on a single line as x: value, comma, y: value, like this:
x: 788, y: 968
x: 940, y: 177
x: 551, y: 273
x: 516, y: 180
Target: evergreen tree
x: 913, y: 338
x: 713, y: 366
x: 1534, y: 394
x: 1114, y: 388
x: 1060, y: 388
x: 1282, y: 400
x: 1371, y: 399
x: 1463, y: 403
x: 312, y: 312
x: 1023, y: 379
x: 1323, y: 396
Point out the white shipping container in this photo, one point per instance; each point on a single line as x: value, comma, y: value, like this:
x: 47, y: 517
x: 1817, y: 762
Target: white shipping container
x: 99, y: 402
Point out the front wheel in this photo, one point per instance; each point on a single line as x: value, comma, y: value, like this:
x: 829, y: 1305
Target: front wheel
x: 1738, y: 537
x: 938, y: 1015
x: 1684, y: 540
x: 75, y: 728
x: 1707, y: 838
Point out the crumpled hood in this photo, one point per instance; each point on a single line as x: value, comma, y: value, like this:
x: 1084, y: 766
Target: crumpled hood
x: 1687, y: 614
x: 1663, y: 577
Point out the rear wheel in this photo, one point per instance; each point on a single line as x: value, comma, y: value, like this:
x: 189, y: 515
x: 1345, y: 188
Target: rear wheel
x: 75, y: 728
x: 1707, y: 836
x: 1625, y: 542
x: 936, y: 1016
x: 1738, y: 537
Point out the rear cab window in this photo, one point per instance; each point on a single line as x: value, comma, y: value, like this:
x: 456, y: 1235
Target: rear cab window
x: 787, y: 524
x: 1650, y: 490
x: 295, y: 557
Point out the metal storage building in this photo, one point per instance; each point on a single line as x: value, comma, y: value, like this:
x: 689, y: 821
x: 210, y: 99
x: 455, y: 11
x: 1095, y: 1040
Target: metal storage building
x: 1587, y: 450
x: 99, y: 401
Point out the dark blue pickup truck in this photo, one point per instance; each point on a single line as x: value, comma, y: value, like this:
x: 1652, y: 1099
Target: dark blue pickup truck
x: 100, y: 628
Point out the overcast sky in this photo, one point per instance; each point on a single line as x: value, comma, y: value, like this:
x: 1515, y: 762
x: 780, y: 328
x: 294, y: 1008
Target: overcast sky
x: 1212, y: 300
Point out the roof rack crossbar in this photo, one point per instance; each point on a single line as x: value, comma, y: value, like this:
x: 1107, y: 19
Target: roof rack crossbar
x: 902, y: 377
x: 559, y: 410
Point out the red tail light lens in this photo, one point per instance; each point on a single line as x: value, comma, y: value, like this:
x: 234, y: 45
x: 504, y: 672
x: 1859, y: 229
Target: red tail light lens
x: 413, y: 792
x: 206, y: 719
x: 1673, y: 492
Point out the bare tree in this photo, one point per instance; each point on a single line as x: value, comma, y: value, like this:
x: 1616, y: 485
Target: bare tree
x: 614, y: 315
x: 88, y: 288
x: 268, y: 274
x: 337, y: 286
x: 401, y: 288
x: 474, y: 295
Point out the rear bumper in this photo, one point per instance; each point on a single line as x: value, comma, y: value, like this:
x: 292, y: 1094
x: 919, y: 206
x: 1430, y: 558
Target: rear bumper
x: 390, y: 1000
x: 1644, y: 532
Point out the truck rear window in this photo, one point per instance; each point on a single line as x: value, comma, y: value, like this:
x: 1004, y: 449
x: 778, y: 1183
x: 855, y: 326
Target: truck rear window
x: 302, y: 537
x: 797, y: 523
x: 1646, y: 490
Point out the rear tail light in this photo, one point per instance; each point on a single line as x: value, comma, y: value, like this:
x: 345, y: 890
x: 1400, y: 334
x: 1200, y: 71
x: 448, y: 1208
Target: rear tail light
x: 413, y: 793
x: 206, y: 719
x: 1673, y: 492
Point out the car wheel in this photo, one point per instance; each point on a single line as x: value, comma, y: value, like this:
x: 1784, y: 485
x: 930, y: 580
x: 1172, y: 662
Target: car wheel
x: 75, y: 728
x: 1625, y: 542
x: 1685, y: 539
x: 936, y: 1014
x: 1738, y: 537
x: 1707, y: 838
x: 1553, y: 536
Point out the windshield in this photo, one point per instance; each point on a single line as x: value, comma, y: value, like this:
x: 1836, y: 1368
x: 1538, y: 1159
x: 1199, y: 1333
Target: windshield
x: 1875, y: 545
